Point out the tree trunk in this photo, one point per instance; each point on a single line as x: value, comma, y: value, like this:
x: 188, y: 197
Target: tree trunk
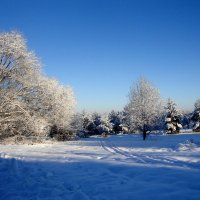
x: 144, y: 132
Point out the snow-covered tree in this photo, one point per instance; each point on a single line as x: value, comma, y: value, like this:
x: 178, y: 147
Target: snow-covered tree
x: 80, y: 122
x: 197, y: 105
x: 173, y: 117
x: 19, y: 69
x: 57, y: 103
x: 117, y: 120
x: 30, y: 102
x: 105, y: 125
x: 98, y: 124
x: 144, y: 107
x: 196, y: 116
x: 96, y: 118
x: 185, y: 119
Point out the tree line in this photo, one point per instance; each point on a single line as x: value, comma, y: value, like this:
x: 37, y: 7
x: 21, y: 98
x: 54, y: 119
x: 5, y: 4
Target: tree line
x: 145, y: 112
x: 33, y: 105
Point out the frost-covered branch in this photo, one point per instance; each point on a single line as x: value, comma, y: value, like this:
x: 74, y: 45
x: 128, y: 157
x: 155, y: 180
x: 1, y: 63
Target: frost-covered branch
x: 30, y: 103
x: 144, y: 107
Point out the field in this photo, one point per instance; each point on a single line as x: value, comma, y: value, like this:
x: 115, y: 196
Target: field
x: 117, y: 167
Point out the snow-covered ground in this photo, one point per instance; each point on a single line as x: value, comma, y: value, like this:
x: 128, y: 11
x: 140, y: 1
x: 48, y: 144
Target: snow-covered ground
x: 118, y: 167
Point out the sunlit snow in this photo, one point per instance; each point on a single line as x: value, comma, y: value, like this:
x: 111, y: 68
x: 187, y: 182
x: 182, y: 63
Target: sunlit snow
x: 117, y: 167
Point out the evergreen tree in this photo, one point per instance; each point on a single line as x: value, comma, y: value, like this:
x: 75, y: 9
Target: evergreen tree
x: 115, y: 119
x: 196, y: 116
x: 98, y: 124
x: 118, y: 122
x: 172, y: 119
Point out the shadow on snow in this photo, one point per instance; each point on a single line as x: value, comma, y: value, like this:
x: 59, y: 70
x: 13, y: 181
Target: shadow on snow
x: 95, y: 181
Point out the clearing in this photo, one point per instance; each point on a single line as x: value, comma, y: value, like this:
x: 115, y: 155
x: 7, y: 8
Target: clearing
x: 118, y: 167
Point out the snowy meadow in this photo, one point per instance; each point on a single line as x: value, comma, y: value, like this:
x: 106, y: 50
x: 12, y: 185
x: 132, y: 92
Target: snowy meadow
x: 48, y: 150
x: 97, y: 168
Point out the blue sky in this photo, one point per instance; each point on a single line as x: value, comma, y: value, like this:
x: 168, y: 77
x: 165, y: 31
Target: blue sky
x: 100, y: 47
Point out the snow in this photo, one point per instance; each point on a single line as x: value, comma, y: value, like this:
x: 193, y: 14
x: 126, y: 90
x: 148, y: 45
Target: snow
x: 118, y: 167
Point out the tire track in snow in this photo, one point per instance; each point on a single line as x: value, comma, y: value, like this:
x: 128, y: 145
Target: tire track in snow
x: 106, y: 148
x: 149, y: 159
x: 144, y: 158
x: 113, y: 149
x: 126, y: 154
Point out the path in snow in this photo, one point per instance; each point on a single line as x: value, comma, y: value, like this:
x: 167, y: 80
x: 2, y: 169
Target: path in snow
x: 118, y: 167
